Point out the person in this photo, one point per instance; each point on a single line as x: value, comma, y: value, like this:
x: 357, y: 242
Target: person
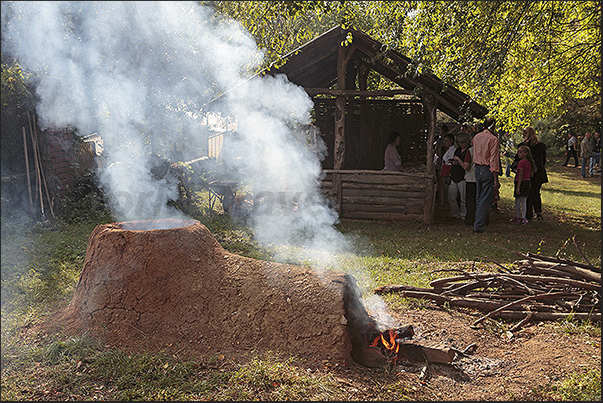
x: 525, y: 170
x: 496, y: 192
x: 595, y: 157
x: 540, y: 177
x: 461, y: 161
x: 393, y: 162
x: 470, y: 191
x: 486, y: 153
x: 572, y: 150
x: 447, y: 152
x: 440, y: 148
x: 508, y: 153
x: 586, y: 150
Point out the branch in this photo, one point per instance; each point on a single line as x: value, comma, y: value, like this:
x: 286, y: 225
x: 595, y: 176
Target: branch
x: 580, y: 250
x: 566, y: 261
x: 519, y: 301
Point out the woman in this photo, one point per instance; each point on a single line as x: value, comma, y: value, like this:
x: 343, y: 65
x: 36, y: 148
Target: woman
x: 538, y: 151
x: 457, y: 189
x: 393, y: 162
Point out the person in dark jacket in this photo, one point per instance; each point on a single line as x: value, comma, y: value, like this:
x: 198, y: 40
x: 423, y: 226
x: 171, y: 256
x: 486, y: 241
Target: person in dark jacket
x: 538, y: 150
x: 572, y: 150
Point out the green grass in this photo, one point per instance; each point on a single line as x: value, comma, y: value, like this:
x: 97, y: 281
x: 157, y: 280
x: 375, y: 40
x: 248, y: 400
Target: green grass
x: 41, y: 265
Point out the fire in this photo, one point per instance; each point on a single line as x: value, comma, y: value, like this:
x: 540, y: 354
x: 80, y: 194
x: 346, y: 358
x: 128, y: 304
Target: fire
x: 388, y: 341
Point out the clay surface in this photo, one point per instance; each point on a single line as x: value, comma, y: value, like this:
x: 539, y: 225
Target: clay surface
x: 177, y: 289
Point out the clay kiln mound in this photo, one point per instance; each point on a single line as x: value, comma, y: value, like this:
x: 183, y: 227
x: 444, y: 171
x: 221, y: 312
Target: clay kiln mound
x: 177, y: 289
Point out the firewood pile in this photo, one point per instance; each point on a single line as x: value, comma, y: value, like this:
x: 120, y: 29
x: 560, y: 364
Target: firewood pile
x: 538, y: 288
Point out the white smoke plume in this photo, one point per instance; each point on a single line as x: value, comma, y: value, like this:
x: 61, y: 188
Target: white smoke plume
x: 135, y: 72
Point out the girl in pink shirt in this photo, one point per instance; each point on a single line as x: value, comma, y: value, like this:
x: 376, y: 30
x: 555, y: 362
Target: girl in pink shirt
x: 525, y: 170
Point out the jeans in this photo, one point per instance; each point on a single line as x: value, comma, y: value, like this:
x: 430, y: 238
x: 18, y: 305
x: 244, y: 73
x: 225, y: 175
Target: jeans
x: 583, y: 167
x: 470, y: 202
x: 484, y: 189
x: 594, y: 160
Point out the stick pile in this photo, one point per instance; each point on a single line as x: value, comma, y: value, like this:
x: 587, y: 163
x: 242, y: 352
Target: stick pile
x: 540, y: 288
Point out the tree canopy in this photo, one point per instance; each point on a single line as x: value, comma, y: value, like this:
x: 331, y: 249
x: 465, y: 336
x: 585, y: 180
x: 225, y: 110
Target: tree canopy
x: 522, y: 60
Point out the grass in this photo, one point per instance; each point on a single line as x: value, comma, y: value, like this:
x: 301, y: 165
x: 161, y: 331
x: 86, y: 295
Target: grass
x: 41, y: 265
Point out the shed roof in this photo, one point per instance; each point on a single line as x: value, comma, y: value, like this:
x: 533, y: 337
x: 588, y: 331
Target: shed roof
x: 314, y: 65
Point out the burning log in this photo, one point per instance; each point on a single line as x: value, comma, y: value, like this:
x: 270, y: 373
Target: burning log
x: 555, y: 289
x: 395, y: 344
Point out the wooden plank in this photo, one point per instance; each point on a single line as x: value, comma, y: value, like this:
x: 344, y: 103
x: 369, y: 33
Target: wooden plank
x: 365, y: 187
x: 385, y: 179
x: 367, y: 215
x: 376, y: 172
x: 386, y: 201
x: 401, y: 194
x: 401, y: 209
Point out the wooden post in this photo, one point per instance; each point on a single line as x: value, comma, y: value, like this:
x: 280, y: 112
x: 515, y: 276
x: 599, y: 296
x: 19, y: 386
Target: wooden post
x: 336, y: 188
x: 50, y: 201
x: 430, y: 104
x: 37, y: 165
x: 343, y: 56
x: 27, y: 171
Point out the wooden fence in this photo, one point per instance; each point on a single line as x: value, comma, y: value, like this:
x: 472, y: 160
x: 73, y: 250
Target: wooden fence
x: 381, y: 195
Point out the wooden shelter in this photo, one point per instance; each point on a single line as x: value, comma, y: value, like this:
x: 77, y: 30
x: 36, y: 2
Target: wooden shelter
x: 334, y: 70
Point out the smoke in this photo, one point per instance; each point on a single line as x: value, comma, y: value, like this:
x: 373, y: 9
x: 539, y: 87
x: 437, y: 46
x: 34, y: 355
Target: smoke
x: 139, y: 74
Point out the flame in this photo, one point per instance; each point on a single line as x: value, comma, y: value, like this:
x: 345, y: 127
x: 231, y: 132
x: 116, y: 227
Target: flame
x: 388, y: 341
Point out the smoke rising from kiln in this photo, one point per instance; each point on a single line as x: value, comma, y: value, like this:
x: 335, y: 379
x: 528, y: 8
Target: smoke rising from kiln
x: 137, y: 72
x: 130, y: 71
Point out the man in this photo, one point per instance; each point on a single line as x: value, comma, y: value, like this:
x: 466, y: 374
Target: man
x: 586, y: 151
x: 572, y: 150
x: 486, y: 153
x: 595, y: 157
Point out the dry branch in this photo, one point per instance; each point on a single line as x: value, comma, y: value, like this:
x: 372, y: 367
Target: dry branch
x: 580, y: 250
x: 569, y: 262
x: 554, y: 288
x: 510, y: 304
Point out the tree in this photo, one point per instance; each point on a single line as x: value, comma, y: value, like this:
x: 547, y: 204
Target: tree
x: 522, y: 60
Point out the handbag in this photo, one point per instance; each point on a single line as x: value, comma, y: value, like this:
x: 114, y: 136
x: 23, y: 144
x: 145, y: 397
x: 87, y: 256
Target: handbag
x: 446, y: 169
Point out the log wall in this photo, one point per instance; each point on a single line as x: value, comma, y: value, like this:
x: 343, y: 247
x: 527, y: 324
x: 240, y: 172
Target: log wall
x: 380, y: 195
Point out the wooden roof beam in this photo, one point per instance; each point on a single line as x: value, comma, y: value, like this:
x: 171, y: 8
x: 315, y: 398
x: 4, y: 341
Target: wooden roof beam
x: 393, y: 75
x: 357, y: 93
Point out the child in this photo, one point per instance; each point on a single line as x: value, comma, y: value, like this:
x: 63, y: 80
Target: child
x: 525, y: 170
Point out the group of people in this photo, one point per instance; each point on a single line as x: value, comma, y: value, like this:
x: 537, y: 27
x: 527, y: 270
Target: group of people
x: 590, y: 153
x: 468, y: 166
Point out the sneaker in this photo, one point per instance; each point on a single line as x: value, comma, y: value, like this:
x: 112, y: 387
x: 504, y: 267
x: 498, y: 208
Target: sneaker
x: 539, y: 217
x: 516, y: 219
x: 524, y: 221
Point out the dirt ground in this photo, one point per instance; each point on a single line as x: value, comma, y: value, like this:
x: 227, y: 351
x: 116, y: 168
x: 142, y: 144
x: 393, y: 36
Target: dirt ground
x: 503, y: 367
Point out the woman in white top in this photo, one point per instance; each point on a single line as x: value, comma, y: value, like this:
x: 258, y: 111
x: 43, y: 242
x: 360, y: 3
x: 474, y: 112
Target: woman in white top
x: 393, y: 162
